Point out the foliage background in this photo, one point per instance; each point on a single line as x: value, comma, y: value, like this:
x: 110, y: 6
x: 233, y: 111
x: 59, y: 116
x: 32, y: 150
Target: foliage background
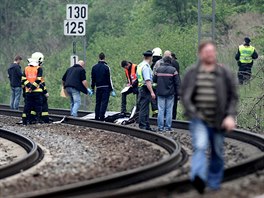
x: 123, y: 29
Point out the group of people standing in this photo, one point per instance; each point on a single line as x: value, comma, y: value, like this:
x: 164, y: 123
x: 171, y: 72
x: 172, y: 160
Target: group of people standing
x: 208, y: 94
x: 74, y: 82
x: 156, y: 82
x: 32, y: 84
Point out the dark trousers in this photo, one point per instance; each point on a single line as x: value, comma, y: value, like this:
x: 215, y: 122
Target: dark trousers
x: 154, y: 103
x: 144, y: 99
x: 174, y: 113
x: 33, y: 101
x: 45, y: 109
x: 124, y: 98
x: 244, y: 73
x: 102, y: 99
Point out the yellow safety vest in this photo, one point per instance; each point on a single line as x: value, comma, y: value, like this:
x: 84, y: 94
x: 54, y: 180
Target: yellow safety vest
x: 140, y: 78
x: 246, y: 53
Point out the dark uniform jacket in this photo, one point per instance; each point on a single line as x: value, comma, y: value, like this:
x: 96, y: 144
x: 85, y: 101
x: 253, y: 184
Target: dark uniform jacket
x: 74, y: 77
x: 227, y: 97
x: 101, y: 77
x: 167, y: 80
x: 15, y: 75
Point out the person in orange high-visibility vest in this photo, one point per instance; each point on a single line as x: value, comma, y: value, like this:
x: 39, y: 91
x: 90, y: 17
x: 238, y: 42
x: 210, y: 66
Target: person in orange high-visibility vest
x: 132, y: 83
x: 31, y: 80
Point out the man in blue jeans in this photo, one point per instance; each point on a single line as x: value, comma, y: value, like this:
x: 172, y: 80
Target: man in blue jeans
x: 167, y: 79
x: 15, y: 75
x: 210, y: 99
x: 74, y: 82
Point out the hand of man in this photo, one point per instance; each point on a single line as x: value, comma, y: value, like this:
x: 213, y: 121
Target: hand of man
x: 153, y: 96
x: 47, y: 95
x: 229, y: 124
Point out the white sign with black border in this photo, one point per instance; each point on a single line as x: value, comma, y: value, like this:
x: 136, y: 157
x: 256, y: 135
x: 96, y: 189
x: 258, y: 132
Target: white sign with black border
x: 74, y: 59
x: 74, y: 27
x: 77, y: 11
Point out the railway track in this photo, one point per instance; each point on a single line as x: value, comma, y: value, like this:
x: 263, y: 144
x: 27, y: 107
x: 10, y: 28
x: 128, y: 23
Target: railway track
x: 110, y: 186
x: 177, y: 158
x: 34, y: 154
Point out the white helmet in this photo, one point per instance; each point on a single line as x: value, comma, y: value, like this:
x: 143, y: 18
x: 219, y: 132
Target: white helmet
x: 36, y: 59
x: 157, y: 51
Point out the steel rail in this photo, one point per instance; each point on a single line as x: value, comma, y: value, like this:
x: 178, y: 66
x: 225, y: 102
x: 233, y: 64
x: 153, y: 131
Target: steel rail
x: 177, y: 158
x: 34, y: 154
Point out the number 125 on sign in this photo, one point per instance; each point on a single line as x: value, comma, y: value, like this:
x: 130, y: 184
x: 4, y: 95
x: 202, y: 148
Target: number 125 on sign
x: 74, y: 27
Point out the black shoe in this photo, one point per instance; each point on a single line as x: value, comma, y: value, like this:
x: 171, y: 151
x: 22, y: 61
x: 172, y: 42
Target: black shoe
x: 24, y: 123
x: 150, y: 129
x: 198, y: 184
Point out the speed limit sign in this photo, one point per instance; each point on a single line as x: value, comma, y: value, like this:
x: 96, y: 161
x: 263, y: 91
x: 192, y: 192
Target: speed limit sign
x: 75, y: 23
x: 74, y: 27
x: 77, y: 11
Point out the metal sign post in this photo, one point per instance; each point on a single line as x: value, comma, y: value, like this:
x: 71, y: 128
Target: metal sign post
x: 202, y: 18
x: 75, y: 25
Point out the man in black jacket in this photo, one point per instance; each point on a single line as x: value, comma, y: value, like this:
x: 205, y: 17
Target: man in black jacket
x: 101, y: 79
x: 15, y: 75
x: 175, y: 64
x: 209, y: 97
x: 167, y: 79
x: 74, y: 82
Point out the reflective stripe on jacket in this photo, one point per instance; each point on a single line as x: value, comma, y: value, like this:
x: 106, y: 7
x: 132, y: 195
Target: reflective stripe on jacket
x: 31, y: 79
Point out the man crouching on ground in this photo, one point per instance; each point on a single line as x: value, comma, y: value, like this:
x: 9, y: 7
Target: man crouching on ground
x: 209, y: 97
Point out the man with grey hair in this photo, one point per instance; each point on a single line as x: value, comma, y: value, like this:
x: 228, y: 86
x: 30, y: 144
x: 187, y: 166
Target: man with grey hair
x: 167, y: 53
x: 74, y: 81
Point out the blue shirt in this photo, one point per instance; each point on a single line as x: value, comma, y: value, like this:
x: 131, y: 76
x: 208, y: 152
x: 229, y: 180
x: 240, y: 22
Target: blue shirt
x: 147, y: 72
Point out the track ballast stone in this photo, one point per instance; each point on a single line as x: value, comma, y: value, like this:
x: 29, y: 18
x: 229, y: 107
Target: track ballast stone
x: 78, y: 154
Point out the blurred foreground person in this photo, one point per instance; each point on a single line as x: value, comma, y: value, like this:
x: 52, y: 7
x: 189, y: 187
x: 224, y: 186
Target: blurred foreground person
x: 146, y: 93
x: 101, y: 79
x: 210, y: 99
x: 74, y: 81
x: 245, y: 56
x: 167, y: 80
x: 15, y: 75
x: 132, y: 86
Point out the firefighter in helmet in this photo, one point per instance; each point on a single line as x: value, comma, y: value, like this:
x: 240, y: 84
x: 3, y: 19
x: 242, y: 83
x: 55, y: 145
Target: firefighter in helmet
x: 33, y: 83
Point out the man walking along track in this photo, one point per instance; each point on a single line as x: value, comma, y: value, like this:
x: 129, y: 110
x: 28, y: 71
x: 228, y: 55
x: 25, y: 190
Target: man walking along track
x: 210, y: 99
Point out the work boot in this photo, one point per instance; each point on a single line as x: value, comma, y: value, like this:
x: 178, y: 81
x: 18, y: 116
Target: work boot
x: 198, y: 184
x: 24, y: 122
x: 39, y: 119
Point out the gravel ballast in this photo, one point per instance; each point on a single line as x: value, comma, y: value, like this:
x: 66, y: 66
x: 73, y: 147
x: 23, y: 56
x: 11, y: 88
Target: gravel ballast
x: 10, y: 152
x: 77, y: 154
